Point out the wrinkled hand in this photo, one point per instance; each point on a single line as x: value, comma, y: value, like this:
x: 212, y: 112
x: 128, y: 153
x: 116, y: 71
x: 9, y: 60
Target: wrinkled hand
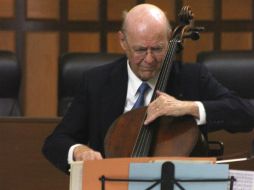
x: 84, y: 153
x: 166, y: 105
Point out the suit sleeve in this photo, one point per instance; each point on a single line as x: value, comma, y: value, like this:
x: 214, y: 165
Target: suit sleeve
x: 224, y: 108
x: 71, y: 130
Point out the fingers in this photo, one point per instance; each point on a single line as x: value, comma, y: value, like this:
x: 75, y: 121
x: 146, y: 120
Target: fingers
x: 159, y: 93
x: 153, y: 112
x: 89, y: 155
x: 151, y: 116
x: 163, y: 105
x: 156, y: 108
x: 84, y: 153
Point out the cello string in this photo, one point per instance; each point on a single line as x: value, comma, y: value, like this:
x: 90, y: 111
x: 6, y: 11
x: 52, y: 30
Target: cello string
x: 146, y: 135
x: 143, y: 143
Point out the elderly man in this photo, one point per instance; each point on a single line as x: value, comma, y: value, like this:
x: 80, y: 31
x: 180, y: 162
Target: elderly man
x: 108, y: 91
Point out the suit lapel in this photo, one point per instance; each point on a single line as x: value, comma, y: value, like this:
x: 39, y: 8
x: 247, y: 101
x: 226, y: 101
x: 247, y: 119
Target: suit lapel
x: 113, y: 99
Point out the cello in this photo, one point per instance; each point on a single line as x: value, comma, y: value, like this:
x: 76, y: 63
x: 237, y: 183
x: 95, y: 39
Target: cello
x: 166, y: 136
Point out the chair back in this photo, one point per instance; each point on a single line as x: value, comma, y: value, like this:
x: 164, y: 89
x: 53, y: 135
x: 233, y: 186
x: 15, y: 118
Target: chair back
x: 71, y: 68
x: 234, y: 69
x: 10, y: 78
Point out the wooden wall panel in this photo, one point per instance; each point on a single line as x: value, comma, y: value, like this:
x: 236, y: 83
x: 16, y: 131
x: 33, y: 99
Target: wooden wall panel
x: 113, y: 43
x: 83, y: 9
x: 7, y: 40
x: 203, y: 9
x: 91, y: 26
x: 237, y: 9
x: 43, y: 9
x: 115, y: 8
x: 87, y: 42
x: 168, y: 6
x: 41, y: 73
x: 236, y: 41
x: 192, y: 48
x: 7, y: 8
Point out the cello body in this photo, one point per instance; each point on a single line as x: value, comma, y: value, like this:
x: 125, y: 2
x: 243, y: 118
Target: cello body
x: 173, y: 136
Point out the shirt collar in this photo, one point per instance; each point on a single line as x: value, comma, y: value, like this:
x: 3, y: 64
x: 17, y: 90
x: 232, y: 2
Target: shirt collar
x: 135, y: 82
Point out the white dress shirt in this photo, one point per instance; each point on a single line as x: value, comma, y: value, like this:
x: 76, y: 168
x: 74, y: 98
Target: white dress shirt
x: 133, y: 84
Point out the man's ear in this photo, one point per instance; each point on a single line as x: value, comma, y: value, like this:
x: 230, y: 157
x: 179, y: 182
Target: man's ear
x: 122, y: 39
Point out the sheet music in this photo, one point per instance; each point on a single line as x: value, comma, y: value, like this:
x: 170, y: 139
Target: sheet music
x: 244, y: 179
x: 183, y: 170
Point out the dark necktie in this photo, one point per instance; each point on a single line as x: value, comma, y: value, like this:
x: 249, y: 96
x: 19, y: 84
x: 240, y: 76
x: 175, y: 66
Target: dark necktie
x: 141, y: 99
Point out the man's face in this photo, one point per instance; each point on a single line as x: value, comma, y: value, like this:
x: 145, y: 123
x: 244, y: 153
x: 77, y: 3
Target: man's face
x: 145, y: 51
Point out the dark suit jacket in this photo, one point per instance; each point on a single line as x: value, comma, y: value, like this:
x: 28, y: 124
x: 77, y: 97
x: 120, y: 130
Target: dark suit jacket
x: 101, y: 99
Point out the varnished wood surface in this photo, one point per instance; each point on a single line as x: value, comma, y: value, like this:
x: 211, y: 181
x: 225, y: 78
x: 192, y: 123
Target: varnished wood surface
x: 236, y: 144
x: 23, y: 167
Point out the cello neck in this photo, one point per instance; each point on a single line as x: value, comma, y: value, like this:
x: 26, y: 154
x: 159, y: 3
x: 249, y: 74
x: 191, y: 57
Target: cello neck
x: 145, y: 137
x: 166, y: 68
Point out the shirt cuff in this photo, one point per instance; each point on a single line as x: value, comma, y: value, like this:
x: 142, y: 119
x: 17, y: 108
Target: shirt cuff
x: 70, y: 153
x: 202, y: 114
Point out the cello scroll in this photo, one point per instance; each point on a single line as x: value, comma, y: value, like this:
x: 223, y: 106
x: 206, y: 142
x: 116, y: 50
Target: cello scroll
x: 186, y: 29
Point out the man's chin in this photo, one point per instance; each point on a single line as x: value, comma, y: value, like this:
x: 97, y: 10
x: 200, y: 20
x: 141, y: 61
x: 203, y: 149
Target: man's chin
x: 147, y: 76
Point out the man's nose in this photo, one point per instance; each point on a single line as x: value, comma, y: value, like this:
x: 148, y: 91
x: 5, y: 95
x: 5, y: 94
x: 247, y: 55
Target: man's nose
x: 149, y: 58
